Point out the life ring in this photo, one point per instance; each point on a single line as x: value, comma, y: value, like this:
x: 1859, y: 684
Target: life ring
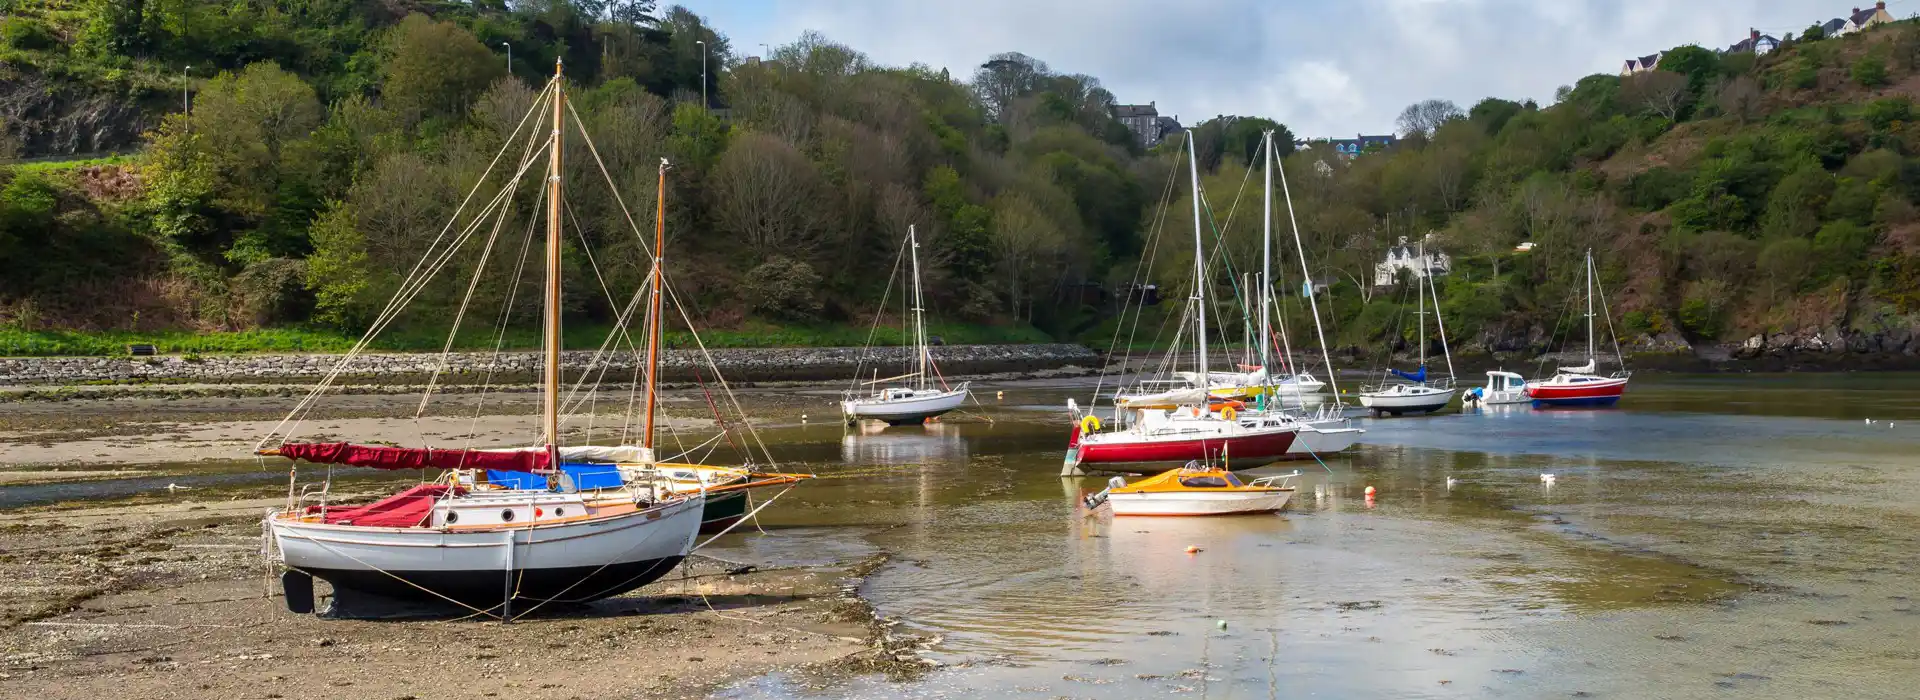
x: 1228, y: 414
x: 1090, y: 423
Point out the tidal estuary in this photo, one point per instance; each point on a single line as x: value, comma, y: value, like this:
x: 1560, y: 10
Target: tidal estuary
x: 1714, y: 536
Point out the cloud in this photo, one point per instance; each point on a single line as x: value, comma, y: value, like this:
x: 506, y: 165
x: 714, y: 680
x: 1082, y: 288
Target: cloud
x: 1322, y: 68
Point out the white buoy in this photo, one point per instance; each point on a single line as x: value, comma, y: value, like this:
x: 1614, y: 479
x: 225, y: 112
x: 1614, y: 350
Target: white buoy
x: 803, y: 417
x: 1546, y: 478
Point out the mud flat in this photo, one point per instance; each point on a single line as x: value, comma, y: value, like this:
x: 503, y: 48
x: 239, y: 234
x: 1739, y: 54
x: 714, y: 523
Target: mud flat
x: 173, y: 600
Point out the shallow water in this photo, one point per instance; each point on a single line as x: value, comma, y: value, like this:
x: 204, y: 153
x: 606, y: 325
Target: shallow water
x: 1724, y: 535
x: 1714, y: 536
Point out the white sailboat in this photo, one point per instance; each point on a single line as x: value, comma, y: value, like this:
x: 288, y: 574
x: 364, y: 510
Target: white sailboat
x: 1416, y: 393
x: 498, y: 532
x: 1324, y: 428
x: 919, y: 399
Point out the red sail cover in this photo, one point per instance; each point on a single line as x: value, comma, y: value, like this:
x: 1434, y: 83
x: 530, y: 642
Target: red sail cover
x: 379, y: 457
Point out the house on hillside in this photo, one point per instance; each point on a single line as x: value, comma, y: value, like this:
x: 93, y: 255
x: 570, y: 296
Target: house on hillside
x: 1832, y: 27
x: 1170, y: 126
x: 1641, y: 64
x: 1862, y: 19
x: 1350, y: 148
x: 1755, y: 43
x: 1413, y: 260
x: 1145, y: 122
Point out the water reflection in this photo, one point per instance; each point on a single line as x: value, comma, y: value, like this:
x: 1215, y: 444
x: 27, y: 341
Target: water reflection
x: 1465, y: 575
x: 875, y: 443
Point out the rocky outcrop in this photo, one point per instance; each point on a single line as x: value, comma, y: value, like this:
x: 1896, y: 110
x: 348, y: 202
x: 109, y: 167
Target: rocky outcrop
x: 52, y: 117
x: 753, y: 364
x: 1829, y: 343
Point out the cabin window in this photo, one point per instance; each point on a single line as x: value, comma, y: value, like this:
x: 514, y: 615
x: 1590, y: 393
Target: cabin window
x: 506, y: 516
x: 1203, y: 482
x: 453, y: 517
x: 557, y: 512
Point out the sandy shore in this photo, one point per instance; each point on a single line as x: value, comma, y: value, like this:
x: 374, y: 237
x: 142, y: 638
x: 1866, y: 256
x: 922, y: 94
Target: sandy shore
x: 165, y: 594
x: 174, y: 601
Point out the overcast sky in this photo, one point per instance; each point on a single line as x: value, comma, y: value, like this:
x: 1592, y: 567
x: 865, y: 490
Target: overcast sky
x: 1328, y: 68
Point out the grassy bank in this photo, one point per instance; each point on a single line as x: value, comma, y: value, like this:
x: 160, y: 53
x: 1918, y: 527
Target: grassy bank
x: 20, y: 343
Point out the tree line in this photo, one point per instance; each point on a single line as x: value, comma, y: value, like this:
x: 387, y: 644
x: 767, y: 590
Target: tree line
x: 1724, y: 194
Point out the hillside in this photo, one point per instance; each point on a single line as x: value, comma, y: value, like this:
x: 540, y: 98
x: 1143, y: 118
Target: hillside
x: 329, y: 139
x: 1725, y: 195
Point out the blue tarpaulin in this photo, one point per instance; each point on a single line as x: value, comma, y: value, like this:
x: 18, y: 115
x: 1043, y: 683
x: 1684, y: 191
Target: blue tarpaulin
x: 585, y: 477
x: 1419, y: 376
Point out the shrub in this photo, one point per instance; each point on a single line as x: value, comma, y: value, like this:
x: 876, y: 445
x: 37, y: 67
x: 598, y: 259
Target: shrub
x: 1804, y: 76
x: 783, y: 288
x: 1883, y: 113
x: 270, y: 291
x: 26, y: 33
x: 1658, y: 187
x: 1870, y: 71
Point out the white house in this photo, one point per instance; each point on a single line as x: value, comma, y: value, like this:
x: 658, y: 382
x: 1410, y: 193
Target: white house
x: 1862, y: 19
x: 1411, y: 259
x: 1755, y: 43
x: 1641, y: 64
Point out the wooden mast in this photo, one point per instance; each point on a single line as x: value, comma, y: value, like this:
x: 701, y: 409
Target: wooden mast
x: 653, y: 317
x: 550, y: 403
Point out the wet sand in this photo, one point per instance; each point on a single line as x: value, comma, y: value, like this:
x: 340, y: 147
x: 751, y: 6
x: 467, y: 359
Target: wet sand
x: 174, y: 601
x: 163, y: 593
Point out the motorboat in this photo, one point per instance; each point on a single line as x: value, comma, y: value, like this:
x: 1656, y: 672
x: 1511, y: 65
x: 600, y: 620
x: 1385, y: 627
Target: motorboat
x: 1194, y: 490
x: 1502, y: 388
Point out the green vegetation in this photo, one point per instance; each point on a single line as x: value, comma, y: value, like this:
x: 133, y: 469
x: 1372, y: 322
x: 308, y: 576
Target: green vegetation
x: 1724, y: 194
x: 15, y: 342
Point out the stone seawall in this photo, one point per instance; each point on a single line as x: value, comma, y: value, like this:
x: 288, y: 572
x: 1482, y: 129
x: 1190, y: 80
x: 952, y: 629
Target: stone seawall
x: 737, y: 364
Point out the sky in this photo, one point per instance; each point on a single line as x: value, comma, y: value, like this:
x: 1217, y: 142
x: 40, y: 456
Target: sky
x: 1325, y: 69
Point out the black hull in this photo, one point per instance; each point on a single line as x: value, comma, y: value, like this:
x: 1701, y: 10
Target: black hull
x: 486, y: 589
x: 723, y: 511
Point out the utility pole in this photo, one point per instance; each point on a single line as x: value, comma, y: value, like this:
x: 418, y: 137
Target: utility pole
x: 703, y: 75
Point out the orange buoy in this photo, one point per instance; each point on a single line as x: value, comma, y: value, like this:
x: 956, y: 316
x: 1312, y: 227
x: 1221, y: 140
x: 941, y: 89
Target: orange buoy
x: 1194, y: 549
x: 1369, y: 490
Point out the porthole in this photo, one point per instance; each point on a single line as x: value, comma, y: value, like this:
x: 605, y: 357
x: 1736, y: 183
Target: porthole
x: 559, y: 511
x: 453, y: 517
x: 506, y: 516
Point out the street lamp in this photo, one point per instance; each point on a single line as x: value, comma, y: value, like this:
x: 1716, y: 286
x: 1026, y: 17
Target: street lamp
x: 509, y: 56
x: 186, y: 83
x: 703, y: 75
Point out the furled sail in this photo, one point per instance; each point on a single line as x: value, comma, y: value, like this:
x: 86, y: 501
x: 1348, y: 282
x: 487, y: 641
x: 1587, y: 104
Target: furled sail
x: 381, y: 457
x: 1418, y: 376
x: 1582, y: 369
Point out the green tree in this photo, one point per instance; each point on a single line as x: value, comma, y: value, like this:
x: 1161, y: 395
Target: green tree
x: 435, y: 68
x: 337, y: 272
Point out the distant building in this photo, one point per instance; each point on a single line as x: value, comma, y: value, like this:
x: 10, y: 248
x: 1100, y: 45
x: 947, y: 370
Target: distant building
x: 1862, y: 19
x: 1755, y: 43
x: 1145, y: 122
x: 1404, y: 257
x: 1641, y: 65
x: 1832, y: 27
x: 1349, y: 148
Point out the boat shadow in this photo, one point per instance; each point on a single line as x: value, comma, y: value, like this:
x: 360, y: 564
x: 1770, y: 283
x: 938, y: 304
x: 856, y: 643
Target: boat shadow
x: 374, y: 609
